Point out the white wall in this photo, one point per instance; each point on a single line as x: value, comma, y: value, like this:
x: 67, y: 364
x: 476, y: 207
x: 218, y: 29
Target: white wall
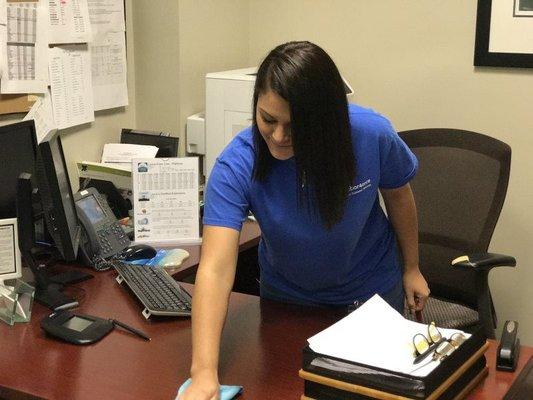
x: 412, y: 61
x: 177, y: 43
x: 157, y: 63
x: 213, y: 36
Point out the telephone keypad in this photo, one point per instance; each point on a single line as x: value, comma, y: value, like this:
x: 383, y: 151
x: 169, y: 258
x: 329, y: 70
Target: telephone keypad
x: 110, y: 237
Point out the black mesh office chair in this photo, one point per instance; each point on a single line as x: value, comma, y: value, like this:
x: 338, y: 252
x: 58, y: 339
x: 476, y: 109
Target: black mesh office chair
x: 459, y: 191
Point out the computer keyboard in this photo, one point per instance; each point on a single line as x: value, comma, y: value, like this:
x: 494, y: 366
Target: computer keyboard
x: 157, y: 290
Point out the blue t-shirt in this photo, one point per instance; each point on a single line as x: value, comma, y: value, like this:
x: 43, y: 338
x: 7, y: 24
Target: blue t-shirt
x: 298, y: 256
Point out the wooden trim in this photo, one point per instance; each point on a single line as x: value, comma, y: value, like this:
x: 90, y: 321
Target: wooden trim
x: 378, y: 394
x: 350, y: 387
x: 442, y: 388
x: 473, y: 383
x: 15, y: 103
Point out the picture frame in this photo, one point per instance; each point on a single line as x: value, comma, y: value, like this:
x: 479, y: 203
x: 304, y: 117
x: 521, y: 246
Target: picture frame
x: 518, y: 14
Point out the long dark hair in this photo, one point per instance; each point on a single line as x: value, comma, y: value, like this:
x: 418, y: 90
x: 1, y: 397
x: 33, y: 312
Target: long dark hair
x: 306, y: 77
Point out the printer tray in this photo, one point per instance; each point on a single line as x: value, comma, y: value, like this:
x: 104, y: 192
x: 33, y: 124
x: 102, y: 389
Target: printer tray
x: 469, y: 356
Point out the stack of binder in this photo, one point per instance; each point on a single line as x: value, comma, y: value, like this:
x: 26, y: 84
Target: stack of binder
x: 328, y: 377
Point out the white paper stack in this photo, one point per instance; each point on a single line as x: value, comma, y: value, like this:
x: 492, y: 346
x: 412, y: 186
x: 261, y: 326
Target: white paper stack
x: 376, y: 335
x: 121, y: 154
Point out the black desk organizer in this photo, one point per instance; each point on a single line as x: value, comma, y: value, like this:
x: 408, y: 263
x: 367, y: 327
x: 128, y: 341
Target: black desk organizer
x: 390, y: 381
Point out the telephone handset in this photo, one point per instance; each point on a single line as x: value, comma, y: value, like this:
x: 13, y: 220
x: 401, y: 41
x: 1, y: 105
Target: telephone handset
x: 102, y: 236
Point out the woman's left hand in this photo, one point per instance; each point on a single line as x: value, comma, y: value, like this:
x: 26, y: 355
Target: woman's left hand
x: 416, y: 289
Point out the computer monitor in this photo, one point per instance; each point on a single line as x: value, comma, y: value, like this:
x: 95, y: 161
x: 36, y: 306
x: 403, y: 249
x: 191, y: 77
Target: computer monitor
x: 27, y: 172
x: 56, y: 198
x: 17, y: 155
x: 168, y: 145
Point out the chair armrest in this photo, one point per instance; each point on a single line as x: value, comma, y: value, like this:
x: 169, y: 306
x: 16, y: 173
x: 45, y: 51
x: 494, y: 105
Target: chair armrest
x: 483, y: 261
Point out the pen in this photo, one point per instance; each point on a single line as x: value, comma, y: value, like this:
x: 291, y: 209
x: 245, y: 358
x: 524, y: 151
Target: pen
x: 430, y: 349
x: 131, y: 329
x: 67, y: 306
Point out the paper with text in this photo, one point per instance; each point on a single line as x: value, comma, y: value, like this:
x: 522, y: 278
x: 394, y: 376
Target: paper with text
x: 376, y: 335
x: 70, y: 81
x: 9, y: 250
x: 123, y: 153
x: 24, y: 57
x: 165, y: 203
x: 69, y: 21
x: 106, y: 16
x: 3, y: 50
x: 43, y: 116
x: 3, y: 12
x: 108, y: 66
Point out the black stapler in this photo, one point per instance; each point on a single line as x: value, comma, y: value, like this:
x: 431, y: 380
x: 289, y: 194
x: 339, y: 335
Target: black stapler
x: 509, y: 347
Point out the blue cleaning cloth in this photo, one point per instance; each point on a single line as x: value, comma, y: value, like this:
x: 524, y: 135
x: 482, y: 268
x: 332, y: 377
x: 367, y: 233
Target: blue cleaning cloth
x: 226, y: 392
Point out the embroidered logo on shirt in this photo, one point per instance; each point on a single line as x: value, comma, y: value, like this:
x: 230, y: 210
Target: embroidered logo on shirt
x: 352, y: 190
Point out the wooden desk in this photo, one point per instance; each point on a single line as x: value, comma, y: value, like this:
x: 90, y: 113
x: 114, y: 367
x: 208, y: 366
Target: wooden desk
x: 261, y: 350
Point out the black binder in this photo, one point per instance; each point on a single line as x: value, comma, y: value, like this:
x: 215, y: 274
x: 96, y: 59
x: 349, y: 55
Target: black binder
x: 343, y: 378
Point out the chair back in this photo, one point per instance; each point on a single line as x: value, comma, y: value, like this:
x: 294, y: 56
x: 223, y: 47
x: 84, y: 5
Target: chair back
x: 459, y: 191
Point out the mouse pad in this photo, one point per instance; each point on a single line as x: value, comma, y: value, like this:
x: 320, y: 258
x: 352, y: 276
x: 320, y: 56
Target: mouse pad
x: 167, y: 258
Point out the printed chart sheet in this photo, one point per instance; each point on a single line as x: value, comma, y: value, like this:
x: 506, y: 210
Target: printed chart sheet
x: 166, y: 205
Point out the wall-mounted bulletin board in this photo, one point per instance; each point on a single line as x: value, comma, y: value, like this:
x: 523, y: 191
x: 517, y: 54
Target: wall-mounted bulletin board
x: 60, y: 61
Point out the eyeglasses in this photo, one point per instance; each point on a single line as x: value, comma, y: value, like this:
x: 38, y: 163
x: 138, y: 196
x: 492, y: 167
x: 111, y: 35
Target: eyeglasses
x: 435, y: 343
x: 447, y: 347
x: 424, y: 345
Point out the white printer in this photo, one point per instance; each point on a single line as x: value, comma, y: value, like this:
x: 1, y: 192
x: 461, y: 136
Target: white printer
x: 228, y: 109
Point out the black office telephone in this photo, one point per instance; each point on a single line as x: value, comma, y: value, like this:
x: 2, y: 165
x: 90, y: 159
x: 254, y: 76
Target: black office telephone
x: 102, y: 236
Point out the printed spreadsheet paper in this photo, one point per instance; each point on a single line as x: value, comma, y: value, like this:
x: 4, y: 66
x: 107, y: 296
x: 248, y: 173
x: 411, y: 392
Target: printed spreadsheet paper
x: 24, y: 47
x: 165, y: 200
x: 376, y: 335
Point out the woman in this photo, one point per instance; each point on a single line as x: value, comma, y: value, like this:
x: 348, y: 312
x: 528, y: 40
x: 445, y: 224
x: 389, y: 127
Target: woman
x: 309, y: 169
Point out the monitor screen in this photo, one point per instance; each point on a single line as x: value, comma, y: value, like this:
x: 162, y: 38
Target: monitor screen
x: 167, y: 145
x: 92, y: 209
x: 57, y: 199
x: 17, y: 155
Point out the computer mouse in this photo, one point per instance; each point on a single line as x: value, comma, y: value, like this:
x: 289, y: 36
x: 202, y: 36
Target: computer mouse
x: 138, y: 252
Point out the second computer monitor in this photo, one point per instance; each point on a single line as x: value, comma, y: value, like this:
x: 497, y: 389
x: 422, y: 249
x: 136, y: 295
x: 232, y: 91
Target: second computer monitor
x: 17, y: 155
x: 168, y: 145
x: 57, y: 199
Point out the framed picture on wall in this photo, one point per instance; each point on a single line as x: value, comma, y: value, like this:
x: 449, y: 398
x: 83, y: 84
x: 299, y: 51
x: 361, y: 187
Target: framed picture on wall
x: 504, y: 33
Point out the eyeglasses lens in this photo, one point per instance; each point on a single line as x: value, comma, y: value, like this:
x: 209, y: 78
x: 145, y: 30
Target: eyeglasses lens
x: 434, y: 333
x: 443, y: 350
x: 421, y: 343
x: 457, y: 339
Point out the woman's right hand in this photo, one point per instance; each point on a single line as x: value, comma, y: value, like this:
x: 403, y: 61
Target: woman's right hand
x: 204, y: 386
x: 214, y: 280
